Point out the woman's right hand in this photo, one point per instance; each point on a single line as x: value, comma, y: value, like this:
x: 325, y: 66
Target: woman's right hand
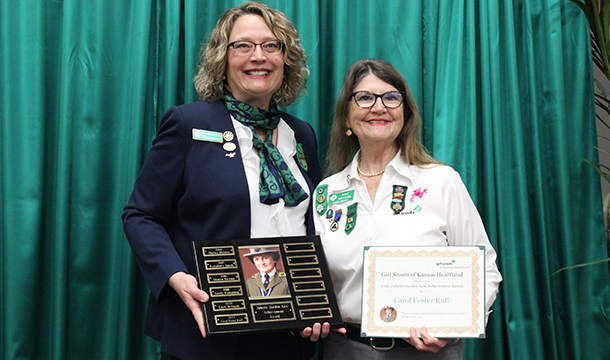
x: 186, y: 286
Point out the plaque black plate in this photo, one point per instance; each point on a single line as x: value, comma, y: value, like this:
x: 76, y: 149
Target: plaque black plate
x: 306, y: 295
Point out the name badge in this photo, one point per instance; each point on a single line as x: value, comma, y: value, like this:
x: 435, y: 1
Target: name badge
x: 206, y: 135
x: 341, y: 197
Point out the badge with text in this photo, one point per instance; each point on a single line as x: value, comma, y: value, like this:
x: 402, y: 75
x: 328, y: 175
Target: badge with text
x: 341, y: 197
x: 206, y: 135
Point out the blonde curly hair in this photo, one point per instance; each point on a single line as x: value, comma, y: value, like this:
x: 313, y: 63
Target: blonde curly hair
x: 210, y: 79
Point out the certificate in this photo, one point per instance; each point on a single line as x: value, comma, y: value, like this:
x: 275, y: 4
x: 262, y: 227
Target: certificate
x: 440, y: 287
x: 266, y: 284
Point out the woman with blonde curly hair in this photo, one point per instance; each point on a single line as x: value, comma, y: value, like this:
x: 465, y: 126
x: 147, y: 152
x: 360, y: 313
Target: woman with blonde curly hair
x: 231, y: 166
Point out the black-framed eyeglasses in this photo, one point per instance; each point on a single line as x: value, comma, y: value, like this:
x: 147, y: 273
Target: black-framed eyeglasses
x: 391, y: 99
x: 245, y: 47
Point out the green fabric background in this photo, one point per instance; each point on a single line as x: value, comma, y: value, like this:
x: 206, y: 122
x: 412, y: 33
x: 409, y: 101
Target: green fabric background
x: 504, y: 87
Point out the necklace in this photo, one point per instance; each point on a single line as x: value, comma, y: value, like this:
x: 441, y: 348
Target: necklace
x: 370, y: 175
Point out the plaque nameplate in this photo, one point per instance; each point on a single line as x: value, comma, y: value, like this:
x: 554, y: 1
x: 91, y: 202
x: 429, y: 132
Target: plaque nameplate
x: 229, y: 305
x: 305, y: 273
x: 220, y: 264
x: 225, y: 291
x: 312, y: 300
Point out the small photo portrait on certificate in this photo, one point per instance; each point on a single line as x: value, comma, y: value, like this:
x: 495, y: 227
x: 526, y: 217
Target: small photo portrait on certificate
x: 264, y: 271
x: 387, y: 314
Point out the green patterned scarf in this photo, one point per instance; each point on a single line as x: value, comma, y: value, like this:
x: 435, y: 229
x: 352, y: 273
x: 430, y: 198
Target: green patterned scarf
x: 276, y: 180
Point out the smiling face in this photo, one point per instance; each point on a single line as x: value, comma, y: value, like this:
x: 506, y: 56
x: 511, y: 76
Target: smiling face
x: 378, y: 125
x: 264, y: 263
x: 253, y: 79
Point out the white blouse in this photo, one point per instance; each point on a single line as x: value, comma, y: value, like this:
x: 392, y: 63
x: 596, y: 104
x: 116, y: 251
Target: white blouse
x: 438, y: 211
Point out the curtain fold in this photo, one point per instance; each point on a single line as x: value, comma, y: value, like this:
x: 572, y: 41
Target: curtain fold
x: 506, y: 96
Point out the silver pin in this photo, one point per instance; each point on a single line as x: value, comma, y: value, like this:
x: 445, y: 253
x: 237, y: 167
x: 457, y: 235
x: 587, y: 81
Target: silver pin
x: 231, y: 155
x: 229, y: 146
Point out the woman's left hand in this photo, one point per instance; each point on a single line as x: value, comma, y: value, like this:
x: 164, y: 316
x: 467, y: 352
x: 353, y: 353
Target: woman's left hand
x: 316, y: 332
x: 427, y: 342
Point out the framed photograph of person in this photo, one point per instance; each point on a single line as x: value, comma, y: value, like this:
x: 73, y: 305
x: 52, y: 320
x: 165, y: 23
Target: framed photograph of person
x: 264, y: 272
x: 265, y: 284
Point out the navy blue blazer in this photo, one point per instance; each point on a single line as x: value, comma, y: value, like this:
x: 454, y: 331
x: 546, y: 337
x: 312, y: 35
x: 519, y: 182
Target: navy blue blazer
x: 191, y: 190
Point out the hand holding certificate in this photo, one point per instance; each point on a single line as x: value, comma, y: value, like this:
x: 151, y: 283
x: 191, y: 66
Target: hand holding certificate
x: 442, y: 288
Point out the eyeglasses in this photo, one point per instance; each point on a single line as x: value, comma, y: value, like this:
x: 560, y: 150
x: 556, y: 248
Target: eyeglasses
x: 245, y: 47
x: 366, y: 99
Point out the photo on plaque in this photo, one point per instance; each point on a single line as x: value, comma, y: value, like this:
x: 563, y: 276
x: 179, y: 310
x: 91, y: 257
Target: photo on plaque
x: 264, y: 272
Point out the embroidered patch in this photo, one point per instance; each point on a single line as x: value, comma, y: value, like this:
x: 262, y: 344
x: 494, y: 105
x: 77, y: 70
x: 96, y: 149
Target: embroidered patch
x: 351, y: 216
x: 398, y: 198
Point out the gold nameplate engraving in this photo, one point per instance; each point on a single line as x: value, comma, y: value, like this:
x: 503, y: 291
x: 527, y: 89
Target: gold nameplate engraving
x: 231, y: 319
x: 218, y: 251
x: 277, y: 311
x: 312, y: 300
x: 229, y: 305
x: 299, y: 247
x: 309, y: 286
x: 305, y: 273
x: 316, y: 313
x: 226, y: 291
x: 223, y: 278
x: 302, y: 260
x: 220, y: 264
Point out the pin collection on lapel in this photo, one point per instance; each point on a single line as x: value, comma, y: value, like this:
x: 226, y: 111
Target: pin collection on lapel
x: 229, y: 146
x: 214, y: 136
x: 324, y: 200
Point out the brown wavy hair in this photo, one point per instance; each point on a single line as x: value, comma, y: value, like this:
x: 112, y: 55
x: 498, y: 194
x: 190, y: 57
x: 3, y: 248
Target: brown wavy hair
x: 210, y: 79
x: 342, y: 147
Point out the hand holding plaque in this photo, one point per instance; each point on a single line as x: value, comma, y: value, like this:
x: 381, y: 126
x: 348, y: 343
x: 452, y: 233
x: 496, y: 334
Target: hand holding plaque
x: 265, y: 284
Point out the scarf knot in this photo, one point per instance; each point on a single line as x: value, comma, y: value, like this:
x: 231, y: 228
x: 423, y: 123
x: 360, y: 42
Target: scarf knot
x: 276, y: 180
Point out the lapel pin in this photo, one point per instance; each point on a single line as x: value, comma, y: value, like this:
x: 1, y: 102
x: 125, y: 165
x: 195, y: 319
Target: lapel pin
x: 227, y: 135
x: 229, y: 146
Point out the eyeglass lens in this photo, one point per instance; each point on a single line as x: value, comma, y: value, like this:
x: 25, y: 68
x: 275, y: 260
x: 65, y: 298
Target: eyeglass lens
x: 247, y: 47
x: 367, y: 99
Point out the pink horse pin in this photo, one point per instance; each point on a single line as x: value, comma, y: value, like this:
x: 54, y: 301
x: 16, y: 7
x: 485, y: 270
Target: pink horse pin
x: 419, y: 193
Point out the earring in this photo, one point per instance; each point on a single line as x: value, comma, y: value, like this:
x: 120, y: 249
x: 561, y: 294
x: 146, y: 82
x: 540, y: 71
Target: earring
x: 349, y: 132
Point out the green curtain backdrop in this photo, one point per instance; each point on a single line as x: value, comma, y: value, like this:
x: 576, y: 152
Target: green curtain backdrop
x: 504, y: 87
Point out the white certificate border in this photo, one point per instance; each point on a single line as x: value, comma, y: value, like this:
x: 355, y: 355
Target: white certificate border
x: 475, y: 252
